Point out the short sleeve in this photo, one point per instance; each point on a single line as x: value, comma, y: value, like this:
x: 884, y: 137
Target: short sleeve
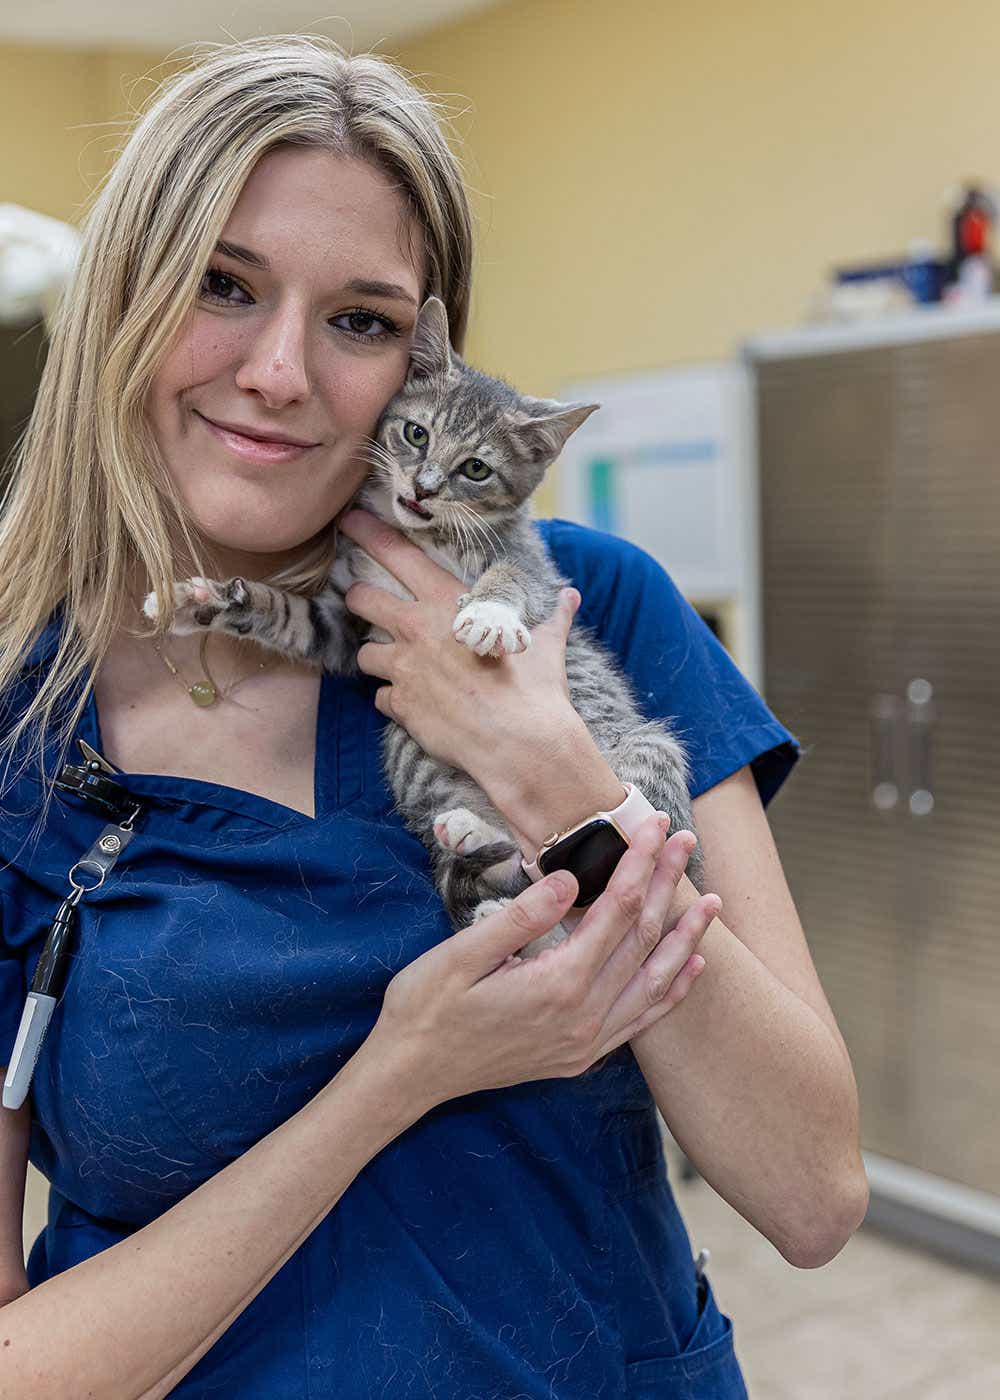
x: 679, y: 670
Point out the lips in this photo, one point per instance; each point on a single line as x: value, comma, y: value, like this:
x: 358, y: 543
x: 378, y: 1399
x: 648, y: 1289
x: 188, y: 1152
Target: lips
x: 257, y: 451
x: 258, y: 434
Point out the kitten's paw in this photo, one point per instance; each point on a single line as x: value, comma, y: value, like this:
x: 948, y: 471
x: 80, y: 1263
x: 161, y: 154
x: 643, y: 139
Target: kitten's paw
x: 536, y: 947
x: 491, y: 629
x: 463, y: 832
x: 488, y: 906
x: 198, y: 602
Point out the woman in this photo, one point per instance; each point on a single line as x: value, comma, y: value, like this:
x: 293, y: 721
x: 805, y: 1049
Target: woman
x: 301, y: 1141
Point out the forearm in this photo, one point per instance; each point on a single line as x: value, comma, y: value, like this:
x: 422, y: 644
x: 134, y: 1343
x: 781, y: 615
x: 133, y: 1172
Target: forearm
x: 15, y: 1128
x: 130, y: 1322
x: 562, y: 779
x: 757, y: 1092
x: 750, y: 1080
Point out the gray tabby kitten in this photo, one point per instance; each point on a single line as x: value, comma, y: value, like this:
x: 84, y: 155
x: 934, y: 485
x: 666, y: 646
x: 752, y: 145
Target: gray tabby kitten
x: 456, y: 457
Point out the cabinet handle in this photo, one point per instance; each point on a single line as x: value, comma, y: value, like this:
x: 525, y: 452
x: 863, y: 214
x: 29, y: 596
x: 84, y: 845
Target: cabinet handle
x: 883, y: 714
x: 921, y: 715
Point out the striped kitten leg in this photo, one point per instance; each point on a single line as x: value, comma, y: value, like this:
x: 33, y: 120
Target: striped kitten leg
x: 318, y: 629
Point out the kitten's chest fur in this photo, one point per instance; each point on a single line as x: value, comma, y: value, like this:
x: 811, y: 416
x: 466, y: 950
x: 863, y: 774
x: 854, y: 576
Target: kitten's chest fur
x: 353, y: 565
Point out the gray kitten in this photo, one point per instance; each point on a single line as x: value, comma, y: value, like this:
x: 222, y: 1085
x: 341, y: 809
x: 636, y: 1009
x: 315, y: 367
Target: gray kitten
x: 456, y: 458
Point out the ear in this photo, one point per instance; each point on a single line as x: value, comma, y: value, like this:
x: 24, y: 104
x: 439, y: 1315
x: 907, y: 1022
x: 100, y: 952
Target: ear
x: 430, y: 353
x: 541, y: 427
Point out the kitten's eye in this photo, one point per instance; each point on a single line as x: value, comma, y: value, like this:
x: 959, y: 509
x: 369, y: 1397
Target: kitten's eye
x: 415, y: 435
x: 475, y: 470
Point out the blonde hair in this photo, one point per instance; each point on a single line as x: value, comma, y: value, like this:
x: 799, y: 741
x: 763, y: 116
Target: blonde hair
x: 89, y: 496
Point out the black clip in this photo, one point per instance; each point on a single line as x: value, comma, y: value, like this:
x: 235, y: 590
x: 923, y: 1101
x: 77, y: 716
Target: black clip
x: 95, y: 784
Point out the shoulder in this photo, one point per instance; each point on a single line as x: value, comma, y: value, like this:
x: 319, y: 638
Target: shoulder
x: 623, y: 589
x: 679, y: 671
x: 583, y: 552
x: 628, y: 599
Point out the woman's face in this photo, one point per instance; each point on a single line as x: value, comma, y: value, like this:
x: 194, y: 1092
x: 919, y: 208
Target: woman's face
x: 302, y: 331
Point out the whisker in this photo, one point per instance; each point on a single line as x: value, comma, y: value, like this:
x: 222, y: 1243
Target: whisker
x: 482, y: 527
x: 379, y: 458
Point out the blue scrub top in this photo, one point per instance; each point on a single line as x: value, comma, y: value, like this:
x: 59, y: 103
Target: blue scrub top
x: 514, y: 1244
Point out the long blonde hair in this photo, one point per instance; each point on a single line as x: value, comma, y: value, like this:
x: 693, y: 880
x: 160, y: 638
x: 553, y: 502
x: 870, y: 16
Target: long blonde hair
x: 89, y: 496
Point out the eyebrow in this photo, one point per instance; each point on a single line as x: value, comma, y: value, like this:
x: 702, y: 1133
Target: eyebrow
x: 365, y: 286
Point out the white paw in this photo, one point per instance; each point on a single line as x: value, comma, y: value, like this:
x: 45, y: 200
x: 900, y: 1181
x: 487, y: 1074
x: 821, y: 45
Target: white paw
x: 536, y: 947
x: 189, y: 595
x: 491, y: 629
x: 488, y: 906
x: 462, y: 831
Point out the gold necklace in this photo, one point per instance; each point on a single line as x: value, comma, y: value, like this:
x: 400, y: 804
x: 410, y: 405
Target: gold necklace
x: 205, y: 692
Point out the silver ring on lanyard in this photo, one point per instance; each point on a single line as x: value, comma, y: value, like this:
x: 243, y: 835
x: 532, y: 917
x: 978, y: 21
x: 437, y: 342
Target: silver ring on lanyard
x: 113, y: 847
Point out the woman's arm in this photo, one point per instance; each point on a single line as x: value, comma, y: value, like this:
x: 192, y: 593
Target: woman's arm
x: 15, y: 1129
x: 751, y: 1073
x: 752, y: 1076
x: 130, y: 1322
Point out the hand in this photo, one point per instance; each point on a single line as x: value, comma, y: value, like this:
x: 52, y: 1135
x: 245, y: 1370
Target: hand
x: 469, y: 1015
x: 479, y: 714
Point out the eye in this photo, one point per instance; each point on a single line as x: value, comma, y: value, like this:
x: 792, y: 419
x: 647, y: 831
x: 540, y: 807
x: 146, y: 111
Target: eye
x: 223, y: 286
x: 415, y: 435
x: 475, y: 470
x: 365, y: 325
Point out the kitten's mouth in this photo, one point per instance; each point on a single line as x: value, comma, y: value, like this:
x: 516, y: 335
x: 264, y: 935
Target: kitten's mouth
x: 415, y: 507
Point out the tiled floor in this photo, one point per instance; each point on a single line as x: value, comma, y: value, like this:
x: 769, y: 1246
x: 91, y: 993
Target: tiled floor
x: 881, y: 1322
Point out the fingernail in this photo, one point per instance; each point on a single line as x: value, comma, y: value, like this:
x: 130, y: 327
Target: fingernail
x: 664, y: 822
x: 559, y: 887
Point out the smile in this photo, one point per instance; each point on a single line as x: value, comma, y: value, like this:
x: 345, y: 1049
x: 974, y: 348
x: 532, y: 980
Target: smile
x: 254, y: 449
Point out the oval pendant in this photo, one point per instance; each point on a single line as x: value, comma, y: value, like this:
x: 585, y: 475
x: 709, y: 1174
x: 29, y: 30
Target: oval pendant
x: 203, y: 693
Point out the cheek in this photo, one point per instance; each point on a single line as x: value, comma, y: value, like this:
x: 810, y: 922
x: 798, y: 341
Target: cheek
x: 199, y: 354
x: 358, y: 388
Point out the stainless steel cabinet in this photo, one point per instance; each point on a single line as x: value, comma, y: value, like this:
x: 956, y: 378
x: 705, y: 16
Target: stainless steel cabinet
x: 880, y: 514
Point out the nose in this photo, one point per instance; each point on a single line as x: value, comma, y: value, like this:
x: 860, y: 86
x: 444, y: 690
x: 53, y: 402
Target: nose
x: 275, y: 365
x: 427, y: 482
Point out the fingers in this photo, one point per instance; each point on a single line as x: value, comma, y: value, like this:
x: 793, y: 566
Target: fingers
x: 381, y: 607
x: 406, y: 561
x: 602, y: 928
x: 488, y: 942
x: 377, y: 659
x: 679, y: 989
x: 561, y: 618
x: 648, y: 927
x: 665, y: 977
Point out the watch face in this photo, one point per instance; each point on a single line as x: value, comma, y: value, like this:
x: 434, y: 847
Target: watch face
x: 592, y: 853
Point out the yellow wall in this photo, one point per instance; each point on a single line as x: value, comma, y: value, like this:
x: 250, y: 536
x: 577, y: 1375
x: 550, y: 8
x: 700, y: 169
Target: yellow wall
x: 663, y: 178
x: 60, y: 116
x: 656, y: 180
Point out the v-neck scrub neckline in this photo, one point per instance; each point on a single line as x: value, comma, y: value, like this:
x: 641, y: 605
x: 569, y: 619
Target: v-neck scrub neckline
x: 209, y: 794
x: 521, y: 1241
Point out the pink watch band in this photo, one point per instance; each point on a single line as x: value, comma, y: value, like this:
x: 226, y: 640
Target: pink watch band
x: 628, y: 816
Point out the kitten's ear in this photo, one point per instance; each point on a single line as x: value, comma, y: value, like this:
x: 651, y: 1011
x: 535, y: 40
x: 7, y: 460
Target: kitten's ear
x: 430, y: 353
x: 541, y: 427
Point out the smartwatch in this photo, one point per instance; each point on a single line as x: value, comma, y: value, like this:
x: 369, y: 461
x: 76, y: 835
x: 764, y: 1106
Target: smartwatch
x: 592, y: 849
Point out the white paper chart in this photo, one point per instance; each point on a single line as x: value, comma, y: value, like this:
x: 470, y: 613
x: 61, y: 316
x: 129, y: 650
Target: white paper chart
x: 667, y: 463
